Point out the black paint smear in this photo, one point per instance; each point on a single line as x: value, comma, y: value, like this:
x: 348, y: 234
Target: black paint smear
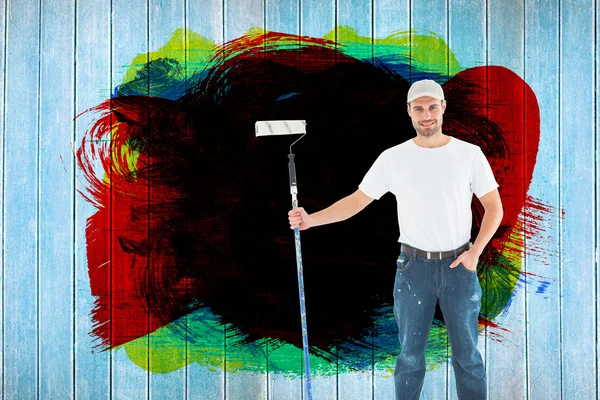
x: 226, y: 229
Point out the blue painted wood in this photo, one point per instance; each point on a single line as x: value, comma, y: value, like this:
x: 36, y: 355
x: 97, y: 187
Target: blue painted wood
x: 21, y: 199
x: 429, y: 16
x: 56, y: 202
x: 432, y: 17
x: 285, y: 17
x: 240, y: 17
x: 389, y: 17
x: 282, y: 16
x: 550, y: 346
x: 206, y: 18
x: 357, y: 14
x: 597, y: 183
x: 576, y: 197
x: 467, y: 42
x: 165, y: 17
x: 282, y: 386
x: 543, y: 306
x: 129, y: 19
x: 505, y: 361
x: 92, y: 85
x: 317, y: 19
x: 467, y: 32
x: 3, y: 17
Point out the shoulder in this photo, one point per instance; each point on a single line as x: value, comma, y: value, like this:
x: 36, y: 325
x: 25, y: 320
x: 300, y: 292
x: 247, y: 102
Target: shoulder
x: 465, y: 146
x: 468, y: 151
x: 397, y: 149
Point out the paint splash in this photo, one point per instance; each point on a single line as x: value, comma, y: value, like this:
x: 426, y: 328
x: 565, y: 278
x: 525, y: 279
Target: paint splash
x: 189, y: 249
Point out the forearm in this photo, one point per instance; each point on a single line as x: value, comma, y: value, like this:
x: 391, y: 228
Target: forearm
x: 338, y: 211
x: 489, y: 225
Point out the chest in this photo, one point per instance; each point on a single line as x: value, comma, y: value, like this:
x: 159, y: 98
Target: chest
x: 431, y: 174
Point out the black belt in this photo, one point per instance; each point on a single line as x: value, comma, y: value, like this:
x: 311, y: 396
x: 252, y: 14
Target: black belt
x: 438, y: 255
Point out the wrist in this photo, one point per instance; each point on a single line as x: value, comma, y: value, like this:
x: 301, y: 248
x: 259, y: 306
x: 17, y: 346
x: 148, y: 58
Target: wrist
x: 478, y: 249
x: 311, y: 221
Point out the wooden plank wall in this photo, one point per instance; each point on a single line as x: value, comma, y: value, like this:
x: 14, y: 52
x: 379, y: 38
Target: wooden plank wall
x: 60, y: 58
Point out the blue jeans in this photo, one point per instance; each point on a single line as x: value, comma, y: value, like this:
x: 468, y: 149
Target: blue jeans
x: 419, y: 284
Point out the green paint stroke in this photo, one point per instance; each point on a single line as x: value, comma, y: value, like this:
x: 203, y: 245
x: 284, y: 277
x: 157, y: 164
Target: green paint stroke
x: 187, y: 52
x: 424, y: 50
x: 212, y: 344
x: 199, y: 51
x: 165, y: 350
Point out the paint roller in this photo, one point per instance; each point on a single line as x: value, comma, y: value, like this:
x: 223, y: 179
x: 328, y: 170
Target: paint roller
x: 293, y: 127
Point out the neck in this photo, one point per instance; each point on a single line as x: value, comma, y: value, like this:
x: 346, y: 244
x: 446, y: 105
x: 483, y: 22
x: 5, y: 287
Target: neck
x: 433, y: 141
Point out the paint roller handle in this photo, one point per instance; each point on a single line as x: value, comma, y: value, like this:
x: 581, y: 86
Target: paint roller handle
x: 293, y: 182
x: 297, y: 216
x: 292, y: 171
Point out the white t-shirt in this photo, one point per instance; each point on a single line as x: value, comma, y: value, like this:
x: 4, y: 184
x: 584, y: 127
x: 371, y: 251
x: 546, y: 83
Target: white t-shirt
x: 434, y: 189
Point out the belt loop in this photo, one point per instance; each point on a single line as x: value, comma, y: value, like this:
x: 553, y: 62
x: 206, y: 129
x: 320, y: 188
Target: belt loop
x: 414, y: 252
x: 454, y: 253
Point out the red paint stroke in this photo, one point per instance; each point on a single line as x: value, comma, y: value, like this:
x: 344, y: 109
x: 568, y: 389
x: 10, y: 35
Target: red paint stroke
x: 495, y: 93
x: 493, y: 330
x: 123, y: 200
x: 120, y: 279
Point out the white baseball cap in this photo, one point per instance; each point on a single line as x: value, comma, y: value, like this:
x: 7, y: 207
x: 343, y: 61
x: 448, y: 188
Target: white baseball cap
x: 425, y: 87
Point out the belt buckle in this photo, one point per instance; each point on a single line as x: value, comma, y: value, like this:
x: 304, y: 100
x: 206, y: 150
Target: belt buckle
x: 429, y: 255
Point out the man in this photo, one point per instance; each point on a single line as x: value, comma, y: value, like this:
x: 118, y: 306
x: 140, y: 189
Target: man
x: 433, y: 177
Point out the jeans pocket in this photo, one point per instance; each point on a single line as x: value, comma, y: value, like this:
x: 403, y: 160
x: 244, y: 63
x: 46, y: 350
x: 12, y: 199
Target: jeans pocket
x: 467, y: 269
x: 404, y: 261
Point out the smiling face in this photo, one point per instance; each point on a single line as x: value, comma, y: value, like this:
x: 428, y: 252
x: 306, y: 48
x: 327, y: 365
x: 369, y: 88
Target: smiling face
x: 426, y: 114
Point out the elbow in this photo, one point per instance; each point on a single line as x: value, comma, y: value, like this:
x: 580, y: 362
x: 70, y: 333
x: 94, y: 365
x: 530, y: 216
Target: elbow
x: 360, y: 200
x: 497, y: 212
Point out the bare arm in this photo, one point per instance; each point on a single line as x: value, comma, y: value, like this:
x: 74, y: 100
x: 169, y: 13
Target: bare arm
x: 339, y: 211
x: 491, y: 220
x: 490, y: 223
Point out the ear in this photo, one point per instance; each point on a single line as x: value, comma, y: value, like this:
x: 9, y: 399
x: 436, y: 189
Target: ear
x: 408, y: 108
x: 443, y: 106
